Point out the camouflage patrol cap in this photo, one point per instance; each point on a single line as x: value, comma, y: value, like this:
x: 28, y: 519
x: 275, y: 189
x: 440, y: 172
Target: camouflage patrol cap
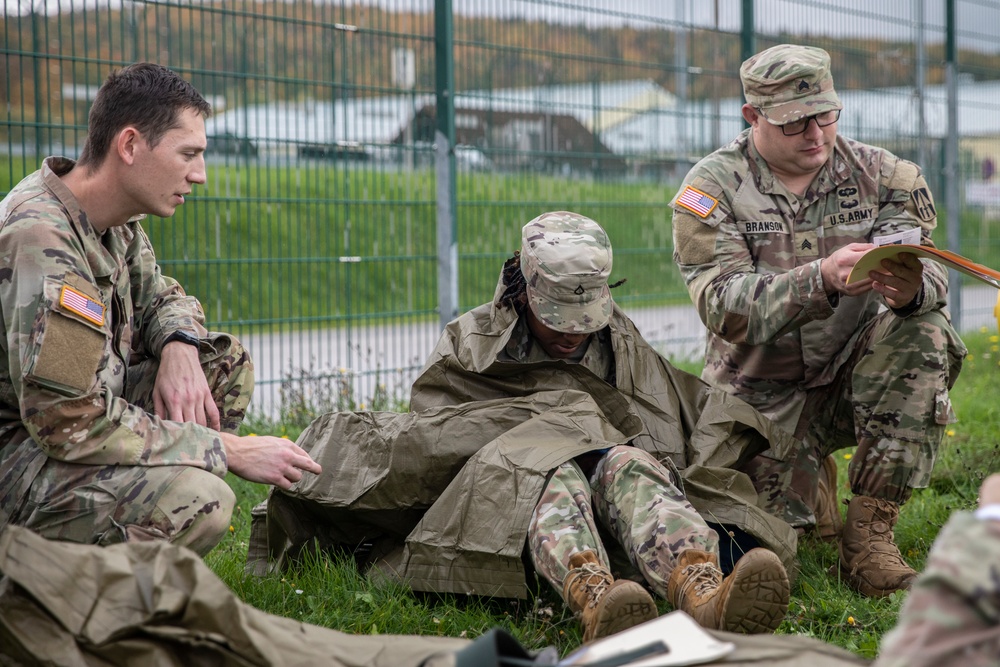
x: 789, y: 82
x: 566, y: 261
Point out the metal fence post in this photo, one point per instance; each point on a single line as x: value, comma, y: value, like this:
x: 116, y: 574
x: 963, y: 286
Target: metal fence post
x: 951, y: 165
x: 444, y: 142
x: 747, y: 42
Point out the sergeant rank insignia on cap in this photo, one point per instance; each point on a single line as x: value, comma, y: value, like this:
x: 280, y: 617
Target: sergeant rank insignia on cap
x: 77, y: 302
x: 697, y: 201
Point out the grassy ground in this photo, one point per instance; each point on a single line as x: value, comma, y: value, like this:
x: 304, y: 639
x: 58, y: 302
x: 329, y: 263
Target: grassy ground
x: 331, y: 593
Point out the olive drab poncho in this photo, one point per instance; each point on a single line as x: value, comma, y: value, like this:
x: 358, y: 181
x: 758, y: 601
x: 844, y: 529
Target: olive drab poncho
x: 140, y: 604
x: 442, y: 495
x: 154, y: 603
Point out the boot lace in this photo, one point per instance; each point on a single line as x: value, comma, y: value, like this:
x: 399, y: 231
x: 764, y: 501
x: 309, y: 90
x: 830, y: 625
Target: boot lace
x: 702, y: 577
x: 594, y: 581
x: 879, y: 528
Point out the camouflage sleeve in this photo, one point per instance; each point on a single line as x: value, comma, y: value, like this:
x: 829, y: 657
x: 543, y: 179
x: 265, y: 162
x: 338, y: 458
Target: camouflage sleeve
x: 735, y: 301
x: 952, y: 614
x: 161, y: 305
x: 906, y: 202
x: 57, y: 360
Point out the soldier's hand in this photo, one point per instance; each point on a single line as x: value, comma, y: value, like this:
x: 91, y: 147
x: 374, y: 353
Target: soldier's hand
x: 267, y: 459
x: 181, y: 392
x: 989, y: 492
x: 899, y: 282
x: 837, y: 267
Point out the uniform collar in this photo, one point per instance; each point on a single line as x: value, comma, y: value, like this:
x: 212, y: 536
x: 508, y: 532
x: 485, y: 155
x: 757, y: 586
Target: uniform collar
x: 100, y: 249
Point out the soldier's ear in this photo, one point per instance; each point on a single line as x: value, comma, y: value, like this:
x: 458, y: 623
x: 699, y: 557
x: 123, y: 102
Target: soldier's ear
x: 125, y: 144
x: 750, y: 114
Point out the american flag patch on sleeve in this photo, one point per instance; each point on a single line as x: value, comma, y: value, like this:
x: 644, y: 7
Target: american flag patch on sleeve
x: 697, y: 201
x: 77, y: 302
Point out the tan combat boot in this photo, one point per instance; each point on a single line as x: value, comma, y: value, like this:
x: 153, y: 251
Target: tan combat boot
x: 869, y: 560
x: 604, y: 606
x: 752, y: 599
x: 829, y: 524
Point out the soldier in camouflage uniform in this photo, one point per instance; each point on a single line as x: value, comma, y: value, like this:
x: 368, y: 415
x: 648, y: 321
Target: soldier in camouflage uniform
x: 951, y: 617
x: 118, y: 410
x: 560, y: 284
x: 766, y: 231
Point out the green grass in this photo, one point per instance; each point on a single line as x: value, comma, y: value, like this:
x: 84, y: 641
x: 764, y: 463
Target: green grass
x: 330, y: 592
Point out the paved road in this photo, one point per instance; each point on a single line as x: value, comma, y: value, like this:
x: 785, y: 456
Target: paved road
x: 352, y: 363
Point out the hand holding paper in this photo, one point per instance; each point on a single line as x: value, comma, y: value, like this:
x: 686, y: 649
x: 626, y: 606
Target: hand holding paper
x: 872, y: 261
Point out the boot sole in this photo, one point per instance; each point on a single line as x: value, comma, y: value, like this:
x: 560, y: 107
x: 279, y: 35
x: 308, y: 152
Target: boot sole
x: 758, y: 599
x: 858, y: 584
x: 622, y: 611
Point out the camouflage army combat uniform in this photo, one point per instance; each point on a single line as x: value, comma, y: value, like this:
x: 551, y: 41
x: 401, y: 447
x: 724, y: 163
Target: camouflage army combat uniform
x: 951, y: 617
x: 82, y: 457
x: 834, y: 371
x: 635, y: 498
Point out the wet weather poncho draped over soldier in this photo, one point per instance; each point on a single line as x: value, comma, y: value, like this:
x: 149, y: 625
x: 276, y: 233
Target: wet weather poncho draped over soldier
x: 444, y: 494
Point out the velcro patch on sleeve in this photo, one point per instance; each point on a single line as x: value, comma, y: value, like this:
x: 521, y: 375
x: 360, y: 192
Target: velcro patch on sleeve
x: 697, y: 201
x: 77, y: 302
x: 70, y: 354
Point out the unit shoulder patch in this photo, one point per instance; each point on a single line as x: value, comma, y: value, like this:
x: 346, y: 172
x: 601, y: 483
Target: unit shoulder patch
x: 924, y: 204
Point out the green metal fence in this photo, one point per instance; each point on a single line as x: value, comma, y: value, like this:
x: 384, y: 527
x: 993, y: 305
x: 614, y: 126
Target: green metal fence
x: 371, y: 163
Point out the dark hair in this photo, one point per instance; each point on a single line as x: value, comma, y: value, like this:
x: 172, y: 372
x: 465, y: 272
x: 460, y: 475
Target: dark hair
x: 515, y: 295
x: 146, y: 96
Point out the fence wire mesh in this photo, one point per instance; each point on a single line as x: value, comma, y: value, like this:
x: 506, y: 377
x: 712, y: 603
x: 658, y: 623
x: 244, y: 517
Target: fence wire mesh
x: 315, y: 238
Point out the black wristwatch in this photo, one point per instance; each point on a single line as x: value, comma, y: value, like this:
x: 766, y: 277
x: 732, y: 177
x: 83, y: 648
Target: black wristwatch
x: 182, y: 337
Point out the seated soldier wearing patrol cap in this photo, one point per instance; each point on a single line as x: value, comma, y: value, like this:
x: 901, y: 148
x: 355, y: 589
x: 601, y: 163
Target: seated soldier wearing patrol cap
x: 543, y: 417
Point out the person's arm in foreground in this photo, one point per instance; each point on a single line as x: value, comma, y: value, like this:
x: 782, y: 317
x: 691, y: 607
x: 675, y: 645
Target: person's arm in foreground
x: 952, y: 614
